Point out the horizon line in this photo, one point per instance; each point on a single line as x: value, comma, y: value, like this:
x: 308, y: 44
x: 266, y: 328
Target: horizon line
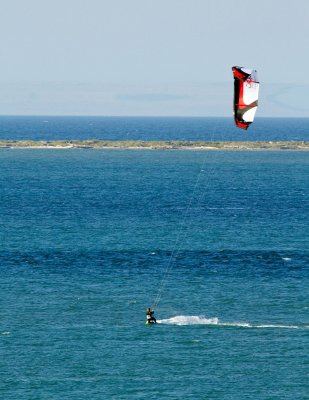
x: 142, y: 116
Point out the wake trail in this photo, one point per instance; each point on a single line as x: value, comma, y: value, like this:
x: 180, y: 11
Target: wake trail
x: 201, y: 320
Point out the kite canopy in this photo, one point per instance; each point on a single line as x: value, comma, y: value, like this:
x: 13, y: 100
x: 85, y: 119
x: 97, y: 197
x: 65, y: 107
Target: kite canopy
x: 246, y: 92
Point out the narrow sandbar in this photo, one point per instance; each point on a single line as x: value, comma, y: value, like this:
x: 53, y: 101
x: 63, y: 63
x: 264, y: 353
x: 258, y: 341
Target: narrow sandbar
x: 153, y: 145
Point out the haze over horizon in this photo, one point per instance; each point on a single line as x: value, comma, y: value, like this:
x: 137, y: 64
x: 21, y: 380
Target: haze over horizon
x: 157, y: 59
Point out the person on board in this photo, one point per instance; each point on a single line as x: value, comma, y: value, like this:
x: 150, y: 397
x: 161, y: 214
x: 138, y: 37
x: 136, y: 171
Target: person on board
x: 149, y: 315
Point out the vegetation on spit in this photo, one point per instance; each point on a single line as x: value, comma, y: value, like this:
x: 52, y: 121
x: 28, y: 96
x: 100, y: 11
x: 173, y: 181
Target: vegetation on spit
x: 153, y: 145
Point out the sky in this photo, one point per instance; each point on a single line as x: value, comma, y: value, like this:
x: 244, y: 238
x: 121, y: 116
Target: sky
x: 146, y: 57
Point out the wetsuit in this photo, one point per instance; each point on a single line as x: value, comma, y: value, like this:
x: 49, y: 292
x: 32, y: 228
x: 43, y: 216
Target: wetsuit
x: 150, y: 318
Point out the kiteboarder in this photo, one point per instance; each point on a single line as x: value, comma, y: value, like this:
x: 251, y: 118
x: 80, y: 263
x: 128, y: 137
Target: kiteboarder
x: 150, y: 318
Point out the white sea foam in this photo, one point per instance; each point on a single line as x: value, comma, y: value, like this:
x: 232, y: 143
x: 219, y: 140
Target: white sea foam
x: 5, y: 333
x: 189, y: 320
x: 201, y: 320
x: 278, y: 326
x: 286, y: 258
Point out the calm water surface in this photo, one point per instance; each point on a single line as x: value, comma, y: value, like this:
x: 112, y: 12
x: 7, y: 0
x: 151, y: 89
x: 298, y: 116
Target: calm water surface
x: 150, y: 128
x: 86, y: 238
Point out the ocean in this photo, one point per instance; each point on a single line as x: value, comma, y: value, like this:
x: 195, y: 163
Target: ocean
x: 91, y: 238
x: 150, y: 128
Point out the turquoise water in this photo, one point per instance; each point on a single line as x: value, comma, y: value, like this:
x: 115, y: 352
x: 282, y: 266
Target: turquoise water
x: 86, y: 240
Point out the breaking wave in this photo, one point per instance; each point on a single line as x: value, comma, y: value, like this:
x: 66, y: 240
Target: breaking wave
x: 201, y: 320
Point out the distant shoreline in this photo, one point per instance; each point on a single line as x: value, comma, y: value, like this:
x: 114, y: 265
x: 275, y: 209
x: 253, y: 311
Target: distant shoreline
x: 153, y: 145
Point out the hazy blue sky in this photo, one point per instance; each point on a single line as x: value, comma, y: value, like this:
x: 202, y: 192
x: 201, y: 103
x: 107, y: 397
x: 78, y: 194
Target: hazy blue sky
x: 142, y: 57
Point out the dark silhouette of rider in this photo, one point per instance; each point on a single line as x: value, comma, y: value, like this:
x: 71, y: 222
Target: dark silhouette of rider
x: 149, y: 315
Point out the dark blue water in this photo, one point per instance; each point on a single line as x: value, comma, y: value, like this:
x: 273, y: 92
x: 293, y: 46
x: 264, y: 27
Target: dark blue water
x: 150, y: 128
x: 86, y: 238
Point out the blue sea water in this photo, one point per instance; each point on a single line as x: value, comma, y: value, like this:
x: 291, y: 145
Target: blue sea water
x: 150, y: 128
x: 90, y: 238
